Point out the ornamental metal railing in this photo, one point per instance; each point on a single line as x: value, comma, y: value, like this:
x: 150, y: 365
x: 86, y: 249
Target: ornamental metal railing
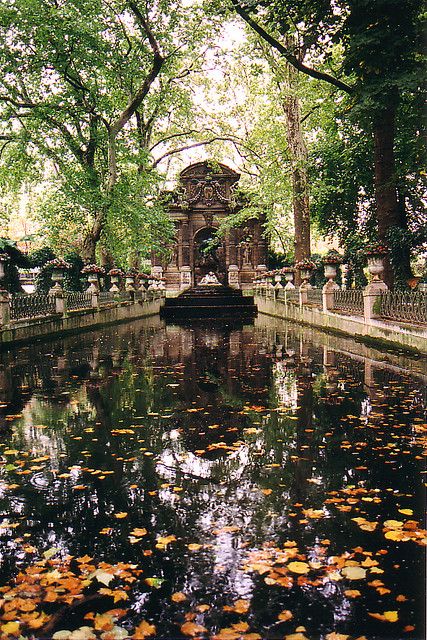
x: 314, y: 296
x: 31, y: 305
x: 289, y: 295
x: 76, y: 300
x: 406, y: 306
x: 107, y: 297
x: 350, y: 300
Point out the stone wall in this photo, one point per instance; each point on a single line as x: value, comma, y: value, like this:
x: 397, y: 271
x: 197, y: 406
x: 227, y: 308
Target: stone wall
x: 75, y: 321
x: 402, y: 335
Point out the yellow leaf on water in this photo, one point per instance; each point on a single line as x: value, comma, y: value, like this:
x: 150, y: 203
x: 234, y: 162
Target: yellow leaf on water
x: 393, y: 524
x: 178, y: 597
x: 299, y: 567
x: 143, y: 630
x: 387, y: 616
x: 354, y: 573
x: 406, y: 512
x: 10, y: 628
x: 285, y: 615
x: 193, y: 546
x: 192, y: 629
x: 352, y: 593
x: 120, y: 515
x: 397, y: 536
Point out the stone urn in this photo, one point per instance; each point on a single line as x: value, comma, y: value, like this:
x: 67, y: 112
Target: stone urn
x: 59, y: 269
x: 92, y: 271
x: 93, y: 280
x: 130, y: 281
x: 305, y: 274
x: 115, y: 276
x: 330, y: 271
x: 376, y: 266
x: 278, y: 281
x: 288, y: 274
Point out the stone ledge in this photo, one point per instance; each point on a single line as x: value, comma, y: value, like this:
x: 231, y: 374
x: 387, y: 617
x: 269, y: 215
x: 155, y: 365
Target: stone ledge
x: 389, y: 334
x: 77, y: 320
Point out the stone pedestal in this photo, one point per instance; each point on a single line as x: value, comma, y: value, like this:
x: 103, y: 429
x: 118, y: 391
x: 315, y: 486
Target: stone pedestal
x: 233, y: 276
x: 59, y: 302
x: 185, y: 278
x: 328, y: 295
x: 4, y: 308
x: 371, y: 295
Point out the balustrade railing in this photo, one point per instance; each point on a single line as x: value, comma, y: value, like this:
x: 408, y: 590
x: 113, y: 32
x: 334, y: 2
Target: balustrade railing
x: 78, y: 300
x: 350, y: 300
x: 406, y: 306
x: 31, y: 305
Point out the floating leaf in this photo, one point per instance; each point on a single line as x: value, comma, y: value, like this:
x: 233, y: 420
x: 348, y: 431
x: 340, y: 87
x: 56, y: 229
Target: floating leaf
x: 144, y: 630
x: 387, y: 616
x: 299, y: 567
x: 178, y: 597
x: 285, y: 615
x: 192, y: 629
x: 354, y: 573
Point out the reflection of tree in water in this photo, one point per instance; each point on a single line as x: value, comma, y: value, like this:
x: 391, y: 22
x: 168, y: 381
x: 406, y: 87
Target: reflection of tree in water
x: 177, y: 397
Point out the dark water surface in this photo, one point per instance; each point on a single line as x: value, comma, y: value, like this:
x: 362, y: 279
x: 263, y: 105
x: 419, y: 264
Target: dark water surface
x: 252, y: 471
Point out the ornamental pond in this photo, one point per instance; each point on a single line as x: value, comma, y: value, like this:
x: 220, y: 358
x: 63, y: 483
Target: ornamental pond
x: 211, y: 481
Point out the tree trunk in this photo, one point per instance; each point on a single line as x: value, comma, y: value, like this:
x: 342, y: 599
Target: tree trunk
x: 88, y: 248
x: 298, y: 157
x: 385, y: 179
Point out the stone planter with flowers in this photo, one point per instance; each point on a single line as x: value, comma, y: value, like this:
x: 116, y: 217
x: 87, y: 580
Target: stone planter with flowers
x: 375, y: 254
x: 288, y: 274
x: 330, y: 263
x: 93, y: 273
x: 130, y: 278
x: 115, y: 276
x: 305, y: 267
x: 59, y: 267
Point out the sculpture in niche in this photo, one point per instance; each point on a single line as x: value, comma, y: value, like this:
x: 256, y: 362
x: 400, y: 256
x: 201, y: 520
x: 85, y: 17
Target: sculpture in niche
x: 210, y: 280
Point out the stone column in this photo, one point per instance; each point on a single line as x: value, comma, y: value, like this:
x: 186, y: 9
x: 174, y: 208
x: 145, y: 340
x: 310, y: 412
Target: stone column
x: 185, y: 243
x: 232, y: 247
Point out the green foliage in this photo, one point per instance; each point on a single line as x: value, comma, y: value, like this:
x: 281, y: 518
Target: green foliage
x: 17, y: 260
x: 39, y: 257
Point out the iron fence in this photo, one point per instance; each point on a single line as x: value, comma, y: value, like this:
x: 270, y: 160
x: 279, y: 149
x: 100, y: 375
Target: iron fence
x: 78, y: 300
x: 314, y: 296
x: 350, y: 300
x: 31, y: 305
x: 407, y: 306
x: 289, y: 295
x: 106, y: 297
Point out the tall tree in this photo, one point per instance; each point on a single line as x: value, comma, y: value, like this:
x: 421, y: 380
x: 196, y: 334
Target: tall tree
x: 83, y: 86
x: 380, y: 40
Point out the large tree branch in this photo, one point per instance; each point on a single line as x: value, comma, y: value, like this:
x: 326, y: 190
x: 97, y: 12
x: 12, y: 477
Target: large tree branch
x: 145, y: 27
x: 197, y: 144
x: 138, y: 97
x: 284, y: 51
